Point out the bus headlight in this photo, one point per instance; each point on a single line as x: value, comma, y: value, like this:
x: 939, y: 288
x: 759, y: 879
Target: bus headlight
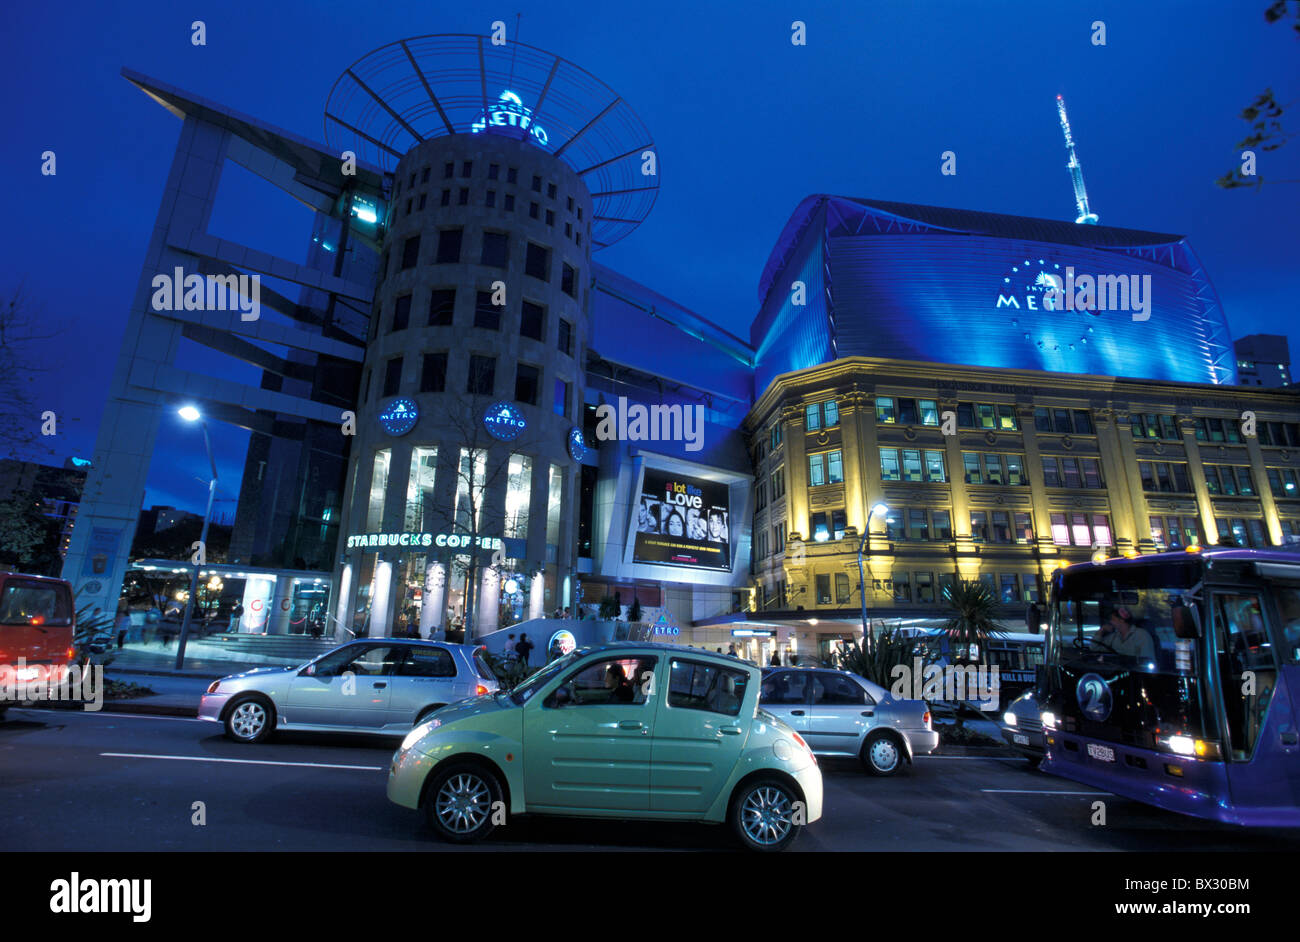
x: 1049, y: 719
x: 1189, y: 746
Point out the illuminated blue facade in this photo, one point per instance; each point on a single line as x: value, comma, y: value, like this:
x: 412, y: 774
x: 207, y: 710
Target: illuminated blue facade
x: 910, y: 282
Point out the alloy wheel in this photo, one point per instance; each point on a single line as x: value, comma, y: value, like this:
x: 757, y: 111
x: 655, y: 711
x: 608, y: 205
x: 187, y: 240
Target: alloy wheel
x: 767, y: 814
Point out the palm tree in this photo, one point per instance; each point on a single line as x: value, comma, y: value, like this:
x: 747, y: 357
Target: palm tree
x: 972, y: 619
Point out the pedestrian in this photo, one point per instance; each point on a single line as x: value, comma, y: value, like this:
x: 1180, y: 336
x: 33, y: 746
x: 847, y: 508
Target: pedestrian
x: 510, y: 646
x: 123, y: 625
x: 523, y: 648
x: 794, y: 660
x: 731, y: 650
x: 236, y: 614
x: 719, y: 650
x: 775, y: 661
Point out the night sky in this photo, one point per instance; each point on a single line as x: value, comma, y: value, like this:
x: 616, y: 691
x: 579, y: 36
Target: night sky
x: 745, y: 124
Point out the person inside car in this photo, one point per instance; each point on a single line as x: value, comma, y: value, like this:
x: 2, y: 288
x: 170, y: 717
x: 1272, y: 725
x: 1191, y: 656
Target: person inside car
x: 1120, y: 635
x: 616, y: 682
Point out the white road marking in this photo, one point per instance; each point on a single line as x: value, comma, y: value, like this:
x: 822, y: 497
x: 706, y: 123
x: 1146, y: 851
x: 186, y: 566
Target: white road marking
x: 307, y: 765
x: 130, y: 716
x: 1037, y: 791
x: 965, y: 757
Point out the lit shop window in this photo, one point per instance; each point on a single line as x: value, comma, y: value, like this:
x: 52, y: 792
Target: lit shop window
x: 378, y: 489
x: 554, y: 502
x: 469, y: 489
x: 419, y: 489
x: 518, y: 490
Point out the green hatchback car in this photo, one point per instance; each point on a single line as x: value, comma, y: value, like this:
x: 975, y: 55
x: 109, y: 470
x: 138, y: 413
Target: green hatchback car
x: 622, y: 730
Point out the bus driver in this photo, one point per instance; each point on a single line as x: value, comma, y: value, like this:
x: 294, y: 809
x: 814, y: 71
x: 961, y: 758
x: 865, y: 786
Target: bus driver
x: 1120, y: 635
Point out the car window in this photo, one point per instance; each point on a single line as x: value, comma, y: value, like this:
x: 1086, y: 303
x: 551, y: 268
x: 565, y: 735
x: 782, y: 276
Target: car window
x: 715, y: 689
x: 482, y: 666
x: 34, y: 603
x: 612, y: 681
x: 837, y: 690
x: 421, y: 661
x: 784, y: 688
x: 374, y: 661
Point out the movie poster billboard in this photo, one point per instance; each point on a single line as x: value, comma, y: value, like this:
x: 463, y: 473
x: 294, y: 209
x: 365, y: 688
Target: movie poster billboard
x: 682, y: 521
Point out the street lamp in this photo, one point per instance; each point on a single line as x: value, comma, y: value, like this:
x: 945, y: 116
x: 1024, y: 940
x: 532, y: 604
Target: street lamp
x: 191, y: 414
x: 882, y: 510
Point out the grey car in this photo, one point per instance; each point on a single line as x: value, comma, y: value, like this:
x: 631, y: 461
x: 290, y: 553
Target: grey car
x: 382, y: 686
x: 1022, y: 727
x: 842, y: 714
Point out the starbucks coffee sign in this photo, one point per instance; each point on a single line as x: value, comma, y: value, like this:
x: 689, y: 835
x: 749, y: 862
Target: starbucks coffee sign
x: 375, y: 541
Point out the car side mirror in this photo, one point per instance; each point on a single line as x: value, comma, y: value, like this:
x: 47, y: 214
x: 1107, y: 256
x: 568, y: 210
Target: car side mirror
x: 1184, y: 623
x: 559, y: 697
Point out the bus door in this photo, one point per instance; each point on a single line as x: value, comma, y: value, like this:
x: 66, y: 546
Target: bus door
x: 1261, y: 743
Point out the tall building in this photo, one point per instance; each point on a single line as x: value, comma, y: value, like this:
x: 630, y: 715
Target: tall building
x: 1263, y: 360
x: 477, y: 421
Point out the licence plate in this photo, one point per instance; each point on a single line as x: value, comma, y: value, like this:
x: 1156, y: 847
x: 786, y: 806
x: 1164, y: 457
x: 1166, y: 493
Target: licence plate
x: 1019, y: 739
x: 1101, y: 753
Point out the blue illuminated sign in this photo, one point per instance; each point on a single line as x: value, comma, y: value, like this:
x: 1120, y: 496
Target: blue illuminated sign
x: 400, y: 416
x: 577, y: 444
x: 509, y: 111
x: 504, y: 422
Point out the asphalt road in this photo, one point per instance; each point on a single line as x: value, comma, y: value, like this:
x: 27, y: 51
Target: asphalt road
x: 74, y: 781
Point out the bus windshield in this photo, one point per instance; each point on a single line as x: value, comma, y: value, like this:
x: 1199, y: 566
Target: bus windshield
x: 1128, y: 618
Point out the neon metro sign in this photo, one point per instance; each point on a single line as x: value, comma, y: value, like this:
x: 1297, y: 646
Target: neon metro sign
x: 509, y: 111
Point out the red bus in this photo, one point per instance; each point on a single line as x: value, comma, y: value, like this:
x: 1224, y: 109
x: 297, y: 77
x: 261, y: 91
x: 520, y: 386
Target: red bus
x: 37, y: 622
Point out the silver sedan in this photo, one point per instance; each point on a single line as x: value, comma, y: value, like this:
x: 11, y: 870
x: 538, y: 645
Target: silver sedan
x: 383, y: 686
x: 842, y: 714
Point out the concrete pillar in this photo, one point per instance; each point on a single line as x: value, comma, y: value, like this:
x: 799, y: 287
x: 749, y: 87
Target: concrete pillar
x: 343, y: 603
x: 281, y: 605
x: 433, y: 606
x: 1260, y: 476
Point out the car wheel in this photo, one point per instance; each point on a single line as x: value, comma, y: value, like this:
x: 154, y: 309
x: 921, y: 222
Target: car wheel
x: 250, y: 719
x: 882, y: 755
x: 424, y: 714
x: 765, y: 814
x: 460, y: 802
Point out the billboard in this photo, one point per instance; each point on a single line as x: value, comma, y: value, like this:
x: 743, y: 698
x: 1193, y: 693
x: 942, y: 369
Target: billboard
x: 682, y: 521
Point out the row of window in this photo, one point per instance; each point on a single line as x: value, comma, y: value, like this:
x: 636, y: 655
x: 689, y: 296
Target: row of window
x: 928, y: 587
x: 442, y: 308
x: 494, y: 252
x: 493, y: 173
x: 490, y: 201
x: 481, y: 380
x: 1229, y: 480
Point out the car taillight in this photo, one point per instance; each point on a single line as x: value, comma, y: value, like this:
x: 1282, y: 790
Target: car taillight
x: 926, y: 719
x: 480, y: 690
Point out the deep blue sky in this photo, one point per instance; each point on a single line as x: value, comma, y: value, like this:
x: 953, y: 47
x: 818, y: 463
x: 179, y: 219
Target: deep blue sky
x: 745, y: 124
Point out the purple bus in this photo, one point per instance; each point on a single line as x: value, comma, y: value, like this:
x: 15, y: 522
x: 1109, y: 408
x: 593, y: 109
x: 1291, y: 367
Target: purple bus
x: 1174, y: 679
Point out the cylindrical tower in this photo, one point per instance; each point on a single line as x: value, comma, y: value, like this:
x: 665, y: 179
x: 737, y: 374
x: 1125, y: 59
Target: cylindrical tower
x: 461, y: 506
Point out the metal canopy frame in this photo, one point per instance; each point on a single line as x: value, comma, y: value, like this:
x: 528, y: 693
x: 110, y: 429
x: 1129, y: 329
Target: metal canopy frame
x: 423, y: 87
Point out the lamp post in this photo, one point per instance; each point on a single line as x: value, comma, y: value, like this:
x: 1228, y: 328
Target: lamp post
x: 862, y: 576
x: 191, y: 414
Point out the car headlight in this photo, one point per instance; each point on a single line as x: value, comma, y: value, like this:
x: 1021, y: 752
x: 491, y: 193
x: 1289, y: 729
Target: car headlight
x: 1049, y: 719
x: 416, y: 734
x: 1009, y: 718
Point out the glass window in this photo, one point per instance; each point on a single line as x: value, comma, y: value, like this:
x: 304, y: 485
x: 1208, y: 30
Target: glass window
x: 971, y: 466
x: 1244, y: 647
x: 442, y: 307
x: 486, y: 314
x: 1245, y: 485
x: 835, y: 467
x: 519, y: 486
x: 1010, y: 589
x: 449, y: 245
x: 402, y: 312
x: 934, y: 467
x: 554, y: 503
x: 831, y: 411
x: 823, y: 589
x: 433, y: 372
x: 889, y: 464
x: 902, y: 587
x: 816, y: 471
x: 1001, y: 526
x: 1060, y: 532
x: 993, y: 468
x: 1101, y: 529
x: 929, y: 411
x: 378, y: 489
x: 565, y: 342
x: 569, y: 280
x: 462, y: 197
x: 812, y: 417
x: 1158, y: 531
x: 965, y: 415
x: 610, y: 682
x: 1042, y: 420
x: 532, y: 320
x: 819, y: 528
x: 916, y: 524
x: 482, y: 375
x: 841, y: 589
x: 420, y: 509
x: 1082, y: 422
x: 537, y: 262
x: 924, y: 587
x: 786, y: 687
x: 838, y: 522
x: 1024, y: 528
x: 1051, y: 473
x: 445, y: 198
x: 1169, y: 428
x: 979, y: 525
x: 528, y: 379
x: 1091, y: 472
x: 942, y: 525
x: 1015, y: 470
x: 1079, y: 530
x: 837, y: 689
x: 410, y: 252
x: 912, y: 465
x: 885, y: 410
x: 496, y: 249
x: 987, y: 417
x: 1061, y: 421
x: 560, y: 403
x: 392, y: 376
x: 1007, y: 418
x: 1071, y: 468
x: 907, y: 414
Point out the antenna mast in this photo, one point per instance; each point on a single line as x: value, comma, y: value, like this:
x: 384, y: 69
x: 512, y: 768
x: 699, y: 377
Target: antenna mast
x: 1086, y: 215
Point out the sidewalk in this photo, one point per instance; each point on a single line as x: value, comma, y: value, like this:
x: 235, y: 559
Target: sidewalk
x: 202, y: 659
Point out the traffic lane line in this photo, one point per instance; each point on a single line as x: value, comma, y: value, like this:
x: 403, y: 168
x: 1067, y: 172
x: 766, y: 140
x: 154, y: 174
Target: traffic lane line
x: 1040, y: 791
x: 308, y: 765
x: 94, y: 713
